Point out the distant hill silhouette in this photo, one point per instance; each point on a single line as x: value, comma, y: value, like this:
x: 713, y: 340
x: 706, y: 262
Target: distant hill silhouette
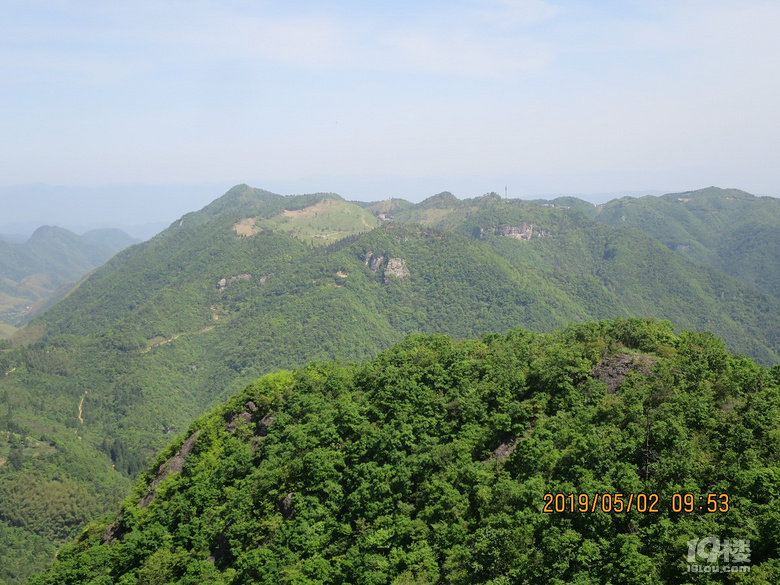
x: 39, y: 271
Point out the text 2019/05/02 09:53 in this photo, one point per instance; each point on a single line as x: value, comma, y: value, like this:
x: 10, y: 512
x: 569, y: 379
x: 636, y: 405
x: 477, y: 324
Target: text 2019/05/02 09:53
x: 643, y: 503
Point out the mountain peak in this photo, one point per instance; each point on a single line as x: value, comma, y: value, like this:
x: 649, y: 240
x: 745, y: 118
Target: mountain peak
x: 50, y: 232
x: 240, y: 196
x: 441, y: 200
x: 245, y: 199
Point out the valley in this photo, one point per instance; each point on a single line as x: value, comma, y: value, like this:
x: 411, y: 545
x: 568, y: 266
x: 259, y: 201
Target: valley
x: 36, y: 273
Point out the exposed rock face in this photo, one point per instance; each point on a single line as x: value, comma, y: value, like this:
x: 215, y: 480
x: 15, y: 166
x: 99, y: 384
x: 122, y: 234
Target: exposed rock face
x: 223, y: 283
x: 250, y: 415
x: 234, y: 422
x: 286, y: 507
x: 114, y: 532
x: 374, y: 262
x: 524, y: 231
x: 504, y: 450
x: 264, y: 424
x: 396, y: 267
x: 393, y: 267
x: 612, y: 370
x: 173, y: 465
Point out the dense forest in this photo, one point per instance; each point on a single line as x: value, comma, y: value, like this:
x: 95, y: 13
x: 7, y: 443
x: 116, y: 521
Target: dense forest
x: 439, y: 461
x: 256, y: 282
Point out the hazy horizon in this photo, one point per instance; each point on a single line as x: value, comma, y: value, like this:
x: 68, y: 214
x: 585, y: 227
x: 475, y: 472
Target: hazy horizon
x: 541, y: 96
x: 144, y: 210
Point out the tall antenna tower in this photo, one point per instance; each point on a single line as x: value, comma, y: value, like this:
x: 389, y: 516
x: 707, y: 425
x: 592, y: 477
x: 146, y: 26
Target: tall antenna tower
x: 504, y: 192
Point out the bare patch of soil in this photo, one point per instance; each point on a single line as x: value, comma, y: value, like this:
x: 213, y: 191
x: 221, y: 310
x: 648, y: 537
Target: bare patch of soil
x: 311, y: 210
x: 246, y: 227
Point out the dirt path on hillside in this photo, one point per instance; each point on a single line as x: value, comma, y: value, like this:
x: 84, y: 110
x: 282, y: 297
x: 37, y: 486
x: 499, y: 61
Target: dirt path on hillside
x: 81, y: 406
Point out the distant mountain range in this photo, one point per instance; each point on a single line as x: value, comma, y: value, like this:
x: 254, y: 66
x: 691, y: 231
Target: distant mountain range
x: 36, y: 273
x: 139, y: 210
x: 256, y: 281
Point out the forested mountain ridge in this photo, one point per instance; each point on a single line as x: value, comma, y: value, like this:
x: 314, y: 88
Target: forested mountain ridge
x: 727, y: 229
x: 434, y: 463
x: 256, y: 282
x: 580, y: 257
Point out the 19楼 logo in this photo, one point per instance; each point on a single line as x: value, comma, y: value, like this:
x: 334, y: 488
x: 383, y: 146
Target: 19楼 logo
x: 711, y: 550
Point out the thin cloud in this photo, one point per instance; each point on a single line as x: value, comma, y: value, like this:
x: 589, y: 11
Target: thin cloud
x: 462, y: 56
x: 206, y: 89
x: 517, y: 13
x: 299, y: 41
x: 484, y: 39
x: 313, y: 42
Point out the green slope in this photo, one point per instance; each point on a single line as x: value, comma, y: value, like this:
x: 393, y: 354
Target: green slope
x: 169, y: 328
x: 433, y: 464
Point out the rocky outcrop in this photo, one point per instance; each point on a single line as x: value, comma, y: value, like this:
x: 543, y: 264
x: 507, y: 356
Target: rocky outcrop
x: 612, y: 370
x: 249, y: 415
x: 263, y: 425
x: 374, y: 262
x: 524, y: 231
x: 393, y: 267
x: 236, y: 420
x: 286, y: 506
x: 223, y: 283
x: 396, y: 267
x: 114, y: 532
x: 504, y: 450
x: 174, y: 465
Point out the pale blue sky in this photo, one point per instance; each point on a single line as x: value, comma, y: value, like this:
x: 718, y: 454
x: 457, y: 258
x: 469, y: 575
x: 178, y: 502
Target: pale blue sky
x: 372, y: 99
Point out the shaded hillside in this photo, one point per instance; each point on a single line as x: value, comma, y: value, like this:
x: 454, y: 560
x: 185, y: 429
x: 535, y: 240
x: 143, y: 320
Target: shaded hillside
x: 434, y: 462
x: 169, y: 328
x: 45, y: 266
x: 727, y: 229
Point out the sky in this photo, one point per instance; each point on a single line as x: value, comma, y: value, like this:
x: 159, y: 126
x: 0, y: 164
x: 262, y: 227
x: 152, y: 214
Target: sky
x: 380, y: 99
